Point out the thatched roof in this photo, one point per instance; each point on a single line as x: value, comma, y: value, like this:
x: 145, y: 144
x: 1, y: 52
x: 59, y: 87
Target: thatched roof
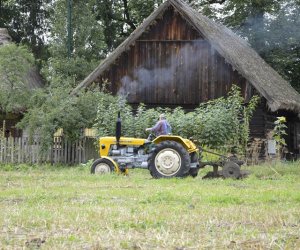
x: 236, y: 51
x: 33, y: 78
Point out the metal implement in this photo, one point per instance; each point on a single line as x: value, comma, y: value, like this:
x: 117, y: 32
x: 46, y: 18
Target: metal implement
x: 231, y: 166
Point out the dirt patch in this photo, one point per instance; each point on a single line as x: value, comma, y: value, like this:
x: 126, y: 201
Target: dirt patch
x: 34, y: 242
x: 12, y: 201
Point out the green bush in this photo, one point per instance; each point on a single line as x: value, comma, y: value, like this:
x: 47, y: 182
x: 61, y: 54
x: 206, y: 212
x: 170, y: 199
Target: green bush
x: 219, y: 124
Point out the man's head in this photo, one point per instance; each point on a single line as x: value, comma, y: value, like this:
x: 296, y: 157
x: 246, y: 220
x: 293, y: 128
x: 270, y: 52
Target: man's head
x: 162, y: 117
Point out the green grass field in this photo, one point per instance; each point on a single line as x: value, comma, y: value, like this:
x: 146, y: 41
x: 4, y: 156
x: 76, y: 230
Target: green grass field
x: 68, y: 208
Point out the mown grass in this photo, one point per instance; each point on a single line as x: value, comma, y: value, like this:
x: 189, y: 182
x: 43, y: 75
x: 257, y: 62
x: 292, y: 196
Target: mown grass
x: 67, y: 208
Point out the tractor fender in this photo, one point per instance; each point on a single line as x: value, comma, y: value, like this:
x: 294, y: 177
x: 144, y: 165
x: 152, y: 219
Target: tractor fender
x: 113, y: 162
x: 186, y: 143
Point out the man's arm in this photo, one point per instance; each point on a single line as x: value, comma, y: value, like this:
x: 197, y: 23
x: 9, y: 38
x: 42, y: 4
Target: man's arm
x: 156, y: 127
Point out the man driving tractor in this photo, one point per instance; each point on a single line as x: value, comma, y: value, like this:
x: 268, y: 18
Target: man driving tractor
x: 162, y: 127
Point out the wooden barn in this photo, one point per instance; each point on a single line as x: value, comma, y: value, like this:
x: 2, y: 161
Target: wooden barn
x: 8, y: 121
x: 178, y: 57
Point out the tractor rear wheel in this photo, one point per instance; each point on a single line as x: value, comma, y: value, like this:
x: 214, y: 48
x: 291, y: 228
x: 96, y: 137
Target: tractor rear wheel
x: 231, y: 170
x: 102, y: 166
x: 194, y: 171
x: 169, y: 159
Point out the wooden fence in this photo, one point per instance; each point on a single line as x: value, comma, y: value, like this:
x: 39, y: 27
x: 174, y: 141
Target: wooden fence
x: 22, y: 150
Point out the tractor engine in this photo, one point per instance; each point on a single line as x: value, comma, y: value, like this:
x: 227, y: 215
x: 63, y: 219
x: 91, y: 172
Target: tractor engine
x: 129, y: 156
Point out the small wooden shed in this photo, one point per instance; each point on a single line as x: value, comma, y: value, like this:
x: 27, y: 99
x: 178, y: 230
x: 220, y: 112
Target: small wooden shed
x: 33, y: 80
x: 178, y: 57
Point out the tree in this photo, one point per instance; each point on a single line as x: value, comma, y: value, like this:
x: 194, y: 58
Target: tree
x: 15, y: 64
x: 272, y: 27
x: 282, y: 50
x: 88, y: 44
x: 121, y: 17
x: 54, y: 107
x: 273, y: 30
x: 28, y: 23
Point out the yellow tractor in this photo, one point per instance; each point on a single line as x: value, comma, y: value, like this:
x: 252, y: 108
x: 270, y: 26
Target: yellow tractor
x: 165, y: 156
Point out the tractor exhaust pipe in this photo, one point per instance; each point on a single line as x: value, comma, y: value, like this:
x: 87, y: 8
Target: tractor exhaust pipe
x: 118, y: 129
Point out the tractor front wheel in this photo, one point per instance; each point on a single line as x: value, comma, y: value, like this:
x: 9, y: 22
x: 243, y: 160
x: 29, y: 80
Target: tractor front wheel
x: 169, y: 159
x: 102, y: 166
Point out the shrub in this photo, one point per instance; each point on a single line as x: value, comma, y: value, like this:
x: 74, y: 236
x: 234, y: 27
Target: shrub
x: 219, y: 124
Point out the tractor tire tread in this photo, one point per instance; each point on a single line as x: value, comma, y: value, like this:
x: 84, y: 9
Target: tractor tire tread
x: 185, y: 159
x: 100, y: 160
x: 194, y: 171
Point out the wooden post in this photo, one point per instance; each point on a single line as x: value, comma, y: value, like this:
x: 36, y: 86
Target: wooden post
x: 69, y: 152
x: 55, y: 150
x: 19, y: 149
x: 1, y: 150
x: 39, y: 156
x: 61, y: 148
x: 4, y: 150
x: 3, y: 128
x: 84, y: 150
x: 12, y: 147
x: 49, y: 155
x: 65, y: 151
x: 22, y: 149
x: 32, y: 147
x: 73, y: 152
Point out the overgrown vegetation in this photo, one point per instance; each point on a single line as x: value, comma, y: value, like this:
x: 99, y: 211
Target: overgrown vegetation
x: 54, y: 108
x: 278, y: 134
x: 221, y: 123
x: 67, y: 208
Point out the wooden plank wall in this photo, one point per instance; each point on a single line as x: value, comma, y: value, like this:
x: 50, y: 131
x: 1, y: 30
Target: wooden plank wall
x: 293, y: 138
x: 171, y: 64
x: 18, y: 150
x: 296, y: 137
x: 8, y: 125
x: 262, y: 125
